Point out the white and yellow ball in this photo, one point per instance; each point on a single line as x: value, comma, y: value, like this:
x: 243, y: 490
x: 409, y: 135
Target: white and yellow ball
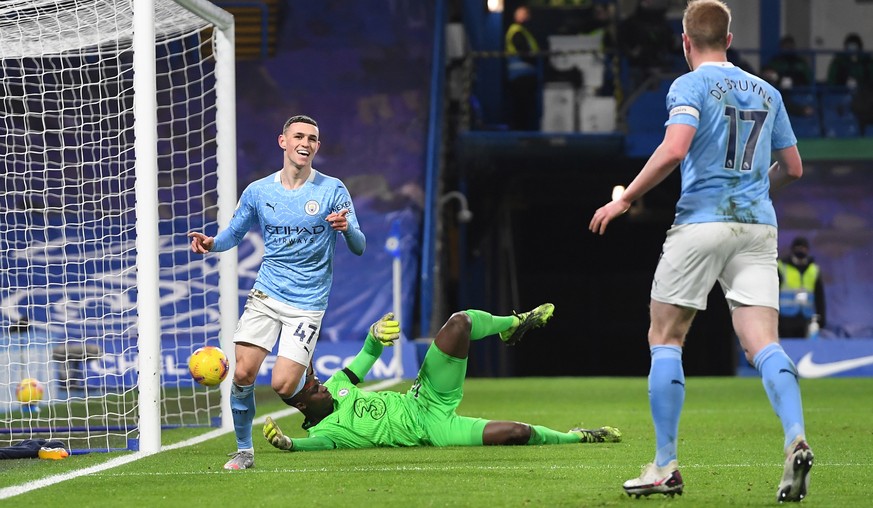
x: 29, y: 391
x: 208, y: 365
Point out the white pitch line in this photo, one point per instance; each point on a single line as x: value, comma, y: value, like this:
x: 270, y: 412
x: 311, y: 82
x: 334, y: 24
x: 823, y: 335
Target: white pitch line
x: 16, y: 490
x: 463, y: 467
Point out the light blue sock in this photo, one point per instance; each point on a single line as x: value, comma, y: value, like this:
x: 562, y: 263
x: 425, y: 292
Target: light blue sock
x: 242, y: 407
x: 779, y: 376
x: 666, y: 397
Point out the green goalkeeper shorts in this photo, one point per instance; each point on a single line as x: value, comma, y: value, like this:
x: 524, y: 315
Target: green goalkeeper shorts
x: 437, y: 392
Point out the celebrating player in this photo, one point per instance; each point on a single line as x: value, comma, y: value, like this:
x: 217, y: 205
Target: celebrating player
x: 300, y: 211
x: 340, y: 415
x: 723, y: 124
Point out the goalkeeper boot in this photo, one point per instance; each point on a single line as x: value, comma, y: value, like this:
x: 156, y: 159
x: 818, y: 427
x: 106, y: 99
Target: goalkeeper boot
x: 241, y: 459
x: 274, y: 435
x: 527, y: 321
x: 795, y: 478
x: 601, y: 435
x: 656, y: 480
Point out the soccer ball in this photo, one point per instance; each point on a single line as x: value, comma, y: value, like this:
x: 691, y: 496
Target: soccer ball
x: 208, y: 365
x: 29, y: 391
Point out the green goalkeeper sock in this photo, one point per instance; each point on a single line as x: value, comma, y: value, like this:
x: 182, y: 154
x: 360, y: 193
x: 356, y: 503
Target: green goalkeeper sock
x: 543, y: 435
x: 485, y: 324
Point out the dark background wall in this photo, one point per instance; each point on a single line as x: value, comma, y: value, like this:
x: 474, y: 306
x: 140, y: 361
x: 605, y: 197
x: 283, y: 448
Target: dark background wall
x: 533, y: 204
x: 367, y: 79
x: 535, y: 207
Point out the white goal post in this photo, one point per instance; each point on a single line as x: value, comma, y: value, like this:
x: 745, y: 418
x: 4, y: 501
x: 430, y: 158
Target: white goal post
x: 117, y: 131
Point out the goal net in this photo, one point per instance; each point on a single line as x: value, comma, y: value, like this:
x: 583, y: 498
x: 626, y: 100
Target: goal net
x: 70, y: 282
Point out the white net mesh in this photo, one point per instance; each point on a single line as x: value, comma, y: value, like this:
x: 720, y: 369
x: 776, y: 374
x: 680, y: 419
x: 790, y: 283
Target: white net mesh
x: 68, y: 227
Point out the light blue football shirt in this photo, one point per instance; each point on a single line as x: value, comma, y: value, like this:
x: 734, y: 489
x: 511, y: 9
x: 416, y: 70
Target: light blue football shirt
x: 740, y: 119
x: 298, y: 242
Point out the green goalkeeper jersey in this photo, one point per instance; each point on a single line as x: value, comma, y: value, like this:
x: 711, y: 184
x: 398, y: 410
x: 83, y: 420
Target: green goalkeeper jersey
x: 362, y: 419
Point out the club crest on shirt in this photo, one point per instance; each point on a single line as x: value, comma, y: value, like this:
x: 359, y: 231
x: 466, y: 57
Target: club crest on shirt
x: 343, y: 392
x: 311, y: 207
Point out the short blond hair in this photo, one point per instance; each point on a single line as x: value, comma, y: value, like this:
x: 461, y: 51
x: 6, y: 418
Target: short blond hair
x: 707, y: 23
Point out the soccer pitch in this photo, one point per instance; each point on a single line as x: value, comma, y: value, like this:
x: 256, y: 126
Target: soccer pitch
x: 730, y: 455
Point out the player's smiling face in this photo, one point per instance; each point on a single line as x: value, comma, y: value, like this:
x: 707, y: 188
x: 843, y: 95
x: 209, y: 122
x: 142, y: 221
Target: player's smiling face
x: 300, y: 143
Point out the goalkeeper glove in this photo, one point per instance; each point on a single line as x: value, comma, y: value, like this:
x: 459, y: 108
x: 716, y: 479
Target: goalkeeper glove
x: 386, y: 330
x: 274, y: 435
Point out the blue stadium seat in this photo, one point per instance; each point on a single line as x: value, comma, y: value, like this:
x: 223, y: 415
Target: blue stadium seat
x: 806, y: 126
x: 805, y: 98
x: 837, y: 117
x: 477, y: 118
x: 647, y: 113
x: 802, y: 96
x: 836, y: 97
x: 841, y: 127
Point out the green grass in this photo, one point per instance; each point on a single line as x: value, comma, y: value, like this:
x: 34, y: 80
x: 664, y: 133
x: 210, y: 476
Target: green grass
x: 730, y: 455
x: 192, y: 407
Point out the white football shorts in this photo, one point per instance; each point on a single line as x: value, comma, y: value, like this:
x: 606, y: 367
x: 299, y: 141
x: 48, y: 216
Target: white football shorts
x: 264, y: 318
x: 741, y: 257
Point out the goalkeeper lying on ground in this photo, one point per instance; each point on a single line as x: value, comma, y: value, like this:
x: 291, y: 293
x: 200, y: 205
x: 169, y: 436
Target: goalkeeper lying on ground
x: 340, y: 415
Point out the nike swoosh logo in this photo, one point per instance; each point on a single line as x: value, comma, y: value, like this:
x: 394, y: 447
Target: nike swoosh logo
x: 806, y: 367
x: 789, y: 371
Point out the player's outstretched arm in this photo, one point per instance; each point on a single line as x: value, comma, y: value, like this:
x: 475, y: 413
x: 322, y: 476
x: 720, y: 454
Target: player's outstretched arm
x: 243, y: 219
x: 668, y: 155
x: 606, y: 214
x: 386, y: 330
x: 200, y: 243
x: 383, y: 332
x: 274, y: 435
